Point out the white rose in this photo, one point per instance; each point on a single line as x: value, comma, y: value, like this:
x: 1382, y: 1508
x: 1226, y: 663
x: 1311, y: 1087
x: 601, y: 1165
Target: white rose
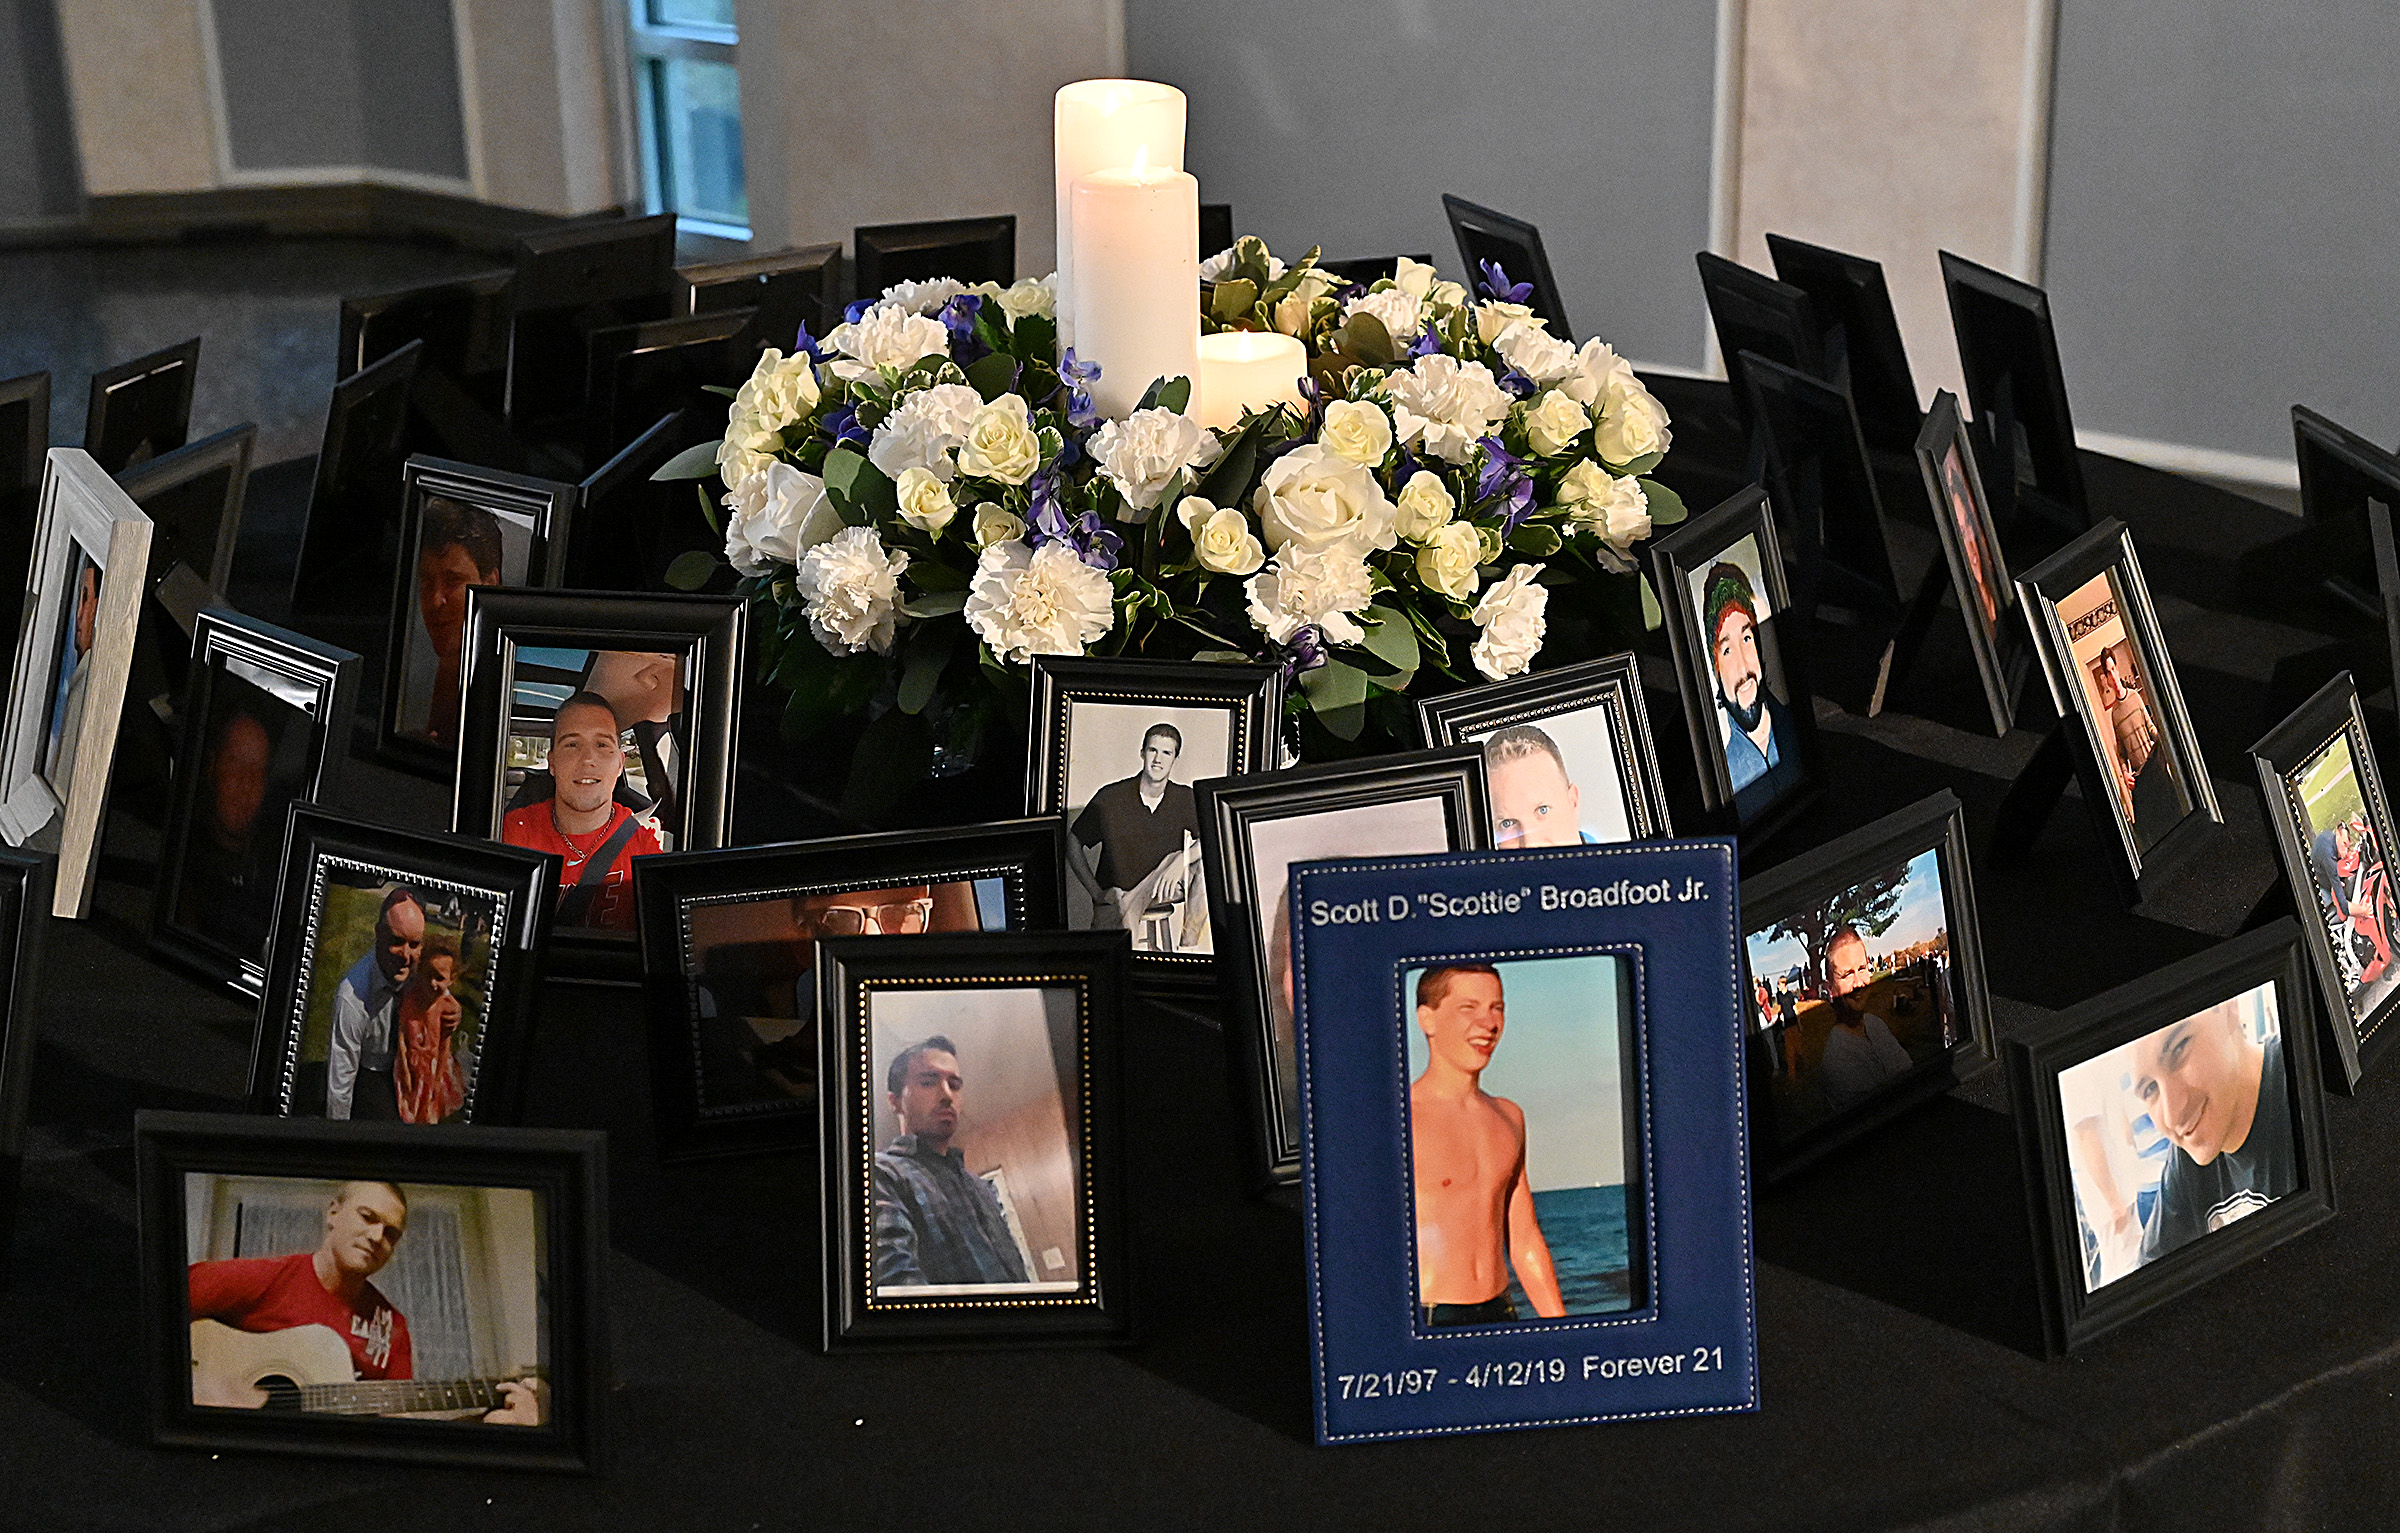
x: 926, y: 296
x: 1414, y: 278
x: 1536, y: 353
x: 1597, y: 370
x: 851, y: 587
x: 1446, y: 404
x: 1225, y: 545
x: 1447, y: 561
x: 780, y: 391
x: 1142, y: 454
x: 1493, y: 319
x: 1553, y: 423
x: 925, y: 502
x: 925, y: 430
x: 1425, y: 504
x: 1030, y: 298
x: 995, y: 523
x: 886, y: 336
x: 779, y: 513
x: 1446, y: 295
x: 1316, y: 497
x: 1000, y: 443
x: 1357, y: 430
x: 1616, y: 510
x: 747, y: 449
x: 1293, y: 312
x: 1037, y: 601
x: 1305, y: 586
x: 1399, y: 312
x: 1633, y: 424
x: 1510, y: 616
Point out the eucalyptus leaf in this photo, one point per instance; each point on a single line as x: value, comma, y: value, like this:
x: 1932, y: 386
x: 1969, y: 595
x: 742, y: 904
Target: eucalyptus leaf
x: 1338, y: 693
x: 928, y: 652
x: 689, y: 572
x: 1539, y: 539
x: 1651, y: 615
x: 708, y: 510
x: 935, y: 603
x: 692, y: 463
x: 859, y: 489
x: 1666, y: 507
x: 1391, y: 640
x: 720, y: 390
x: 1174, y: 394
x: 1232, y: 299
x: 994, y: 375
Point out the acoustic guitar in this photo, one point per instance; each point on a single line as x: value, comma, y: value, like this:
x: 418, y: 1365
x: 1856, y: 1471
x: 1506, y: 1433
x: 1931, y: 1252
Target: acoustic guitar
x: 308, y: 1368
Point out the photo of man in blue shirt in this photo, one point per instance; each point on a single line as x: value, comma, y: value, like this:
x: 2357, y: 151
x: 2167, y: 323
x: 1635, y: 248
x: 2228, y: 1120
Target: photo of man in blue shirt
x: 1752, y: 720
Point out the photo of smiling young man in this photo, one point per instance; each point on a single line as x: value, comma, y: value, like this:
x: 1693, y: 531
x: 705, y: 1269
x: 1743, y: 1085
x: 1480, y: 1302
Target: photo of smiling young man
x: 1537, y: 800
x: 582, y: 820
x: 1754, y: 723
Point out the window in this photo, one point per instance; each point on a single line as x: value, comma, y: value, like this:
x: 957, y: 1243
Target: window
x: 689, y: 103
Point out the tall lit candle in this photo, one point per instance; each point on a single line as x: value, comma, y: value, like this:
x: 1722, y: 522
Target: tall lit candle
x: 1136, y: 237
x: 1106, y: 125
x: 1248, y: 370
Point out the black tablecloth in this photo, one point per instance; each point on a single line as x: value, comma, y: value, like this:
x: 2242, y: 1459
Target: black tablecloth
x: 1896, y: 1291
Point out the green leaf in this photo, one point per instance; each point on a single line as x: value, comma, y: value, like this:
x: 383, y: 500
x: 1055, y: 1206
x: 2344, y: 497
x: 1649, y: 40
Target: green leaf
x: 1229, y: 476
x: 860, y: 490
x: 692, y: 463
x: 691, y: 571
x: 935, y: 603
x: 708, y: 510
x: 1338, y: 693
x: 1364, y: 339
x: 1221, y: 656
x: 1666, y: 507
x: 1391, y: 640
x: 932, y: 575
x: 720, y: 390
x: 1176, y: 395
x: 1536, y: 538
x: 928, y: 652
x: 1651, y: 615
x: 994, y: 375
x: 1232, y: 299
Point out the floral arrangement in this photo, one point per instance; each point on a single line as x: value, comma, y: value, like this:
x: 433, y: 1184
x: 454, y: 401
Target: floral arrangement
x: 926, y: 499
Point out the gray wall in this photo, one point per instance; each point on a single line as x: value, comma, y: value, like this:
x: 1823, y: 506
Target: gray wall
x: 2225, y: 217
x: 342, y: 82
x: 1343, y: 124
x: 38, y: 179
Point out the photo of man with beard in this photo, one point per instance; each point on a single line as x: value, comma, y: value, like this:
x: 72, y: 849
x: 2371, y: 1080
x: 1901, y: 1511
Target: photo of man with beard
x: 1753, y: 722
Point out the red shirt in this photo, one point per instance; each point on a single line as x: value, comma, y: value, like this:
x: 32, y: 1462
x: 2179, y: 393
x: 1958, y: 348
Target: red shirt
x: 612, y: 907
x: 277, y: 1293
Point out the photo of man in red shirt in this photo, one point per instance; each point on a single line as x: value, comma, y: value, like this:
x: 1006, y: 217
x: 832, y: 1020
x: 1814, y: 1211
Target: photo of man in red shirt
x: 582, y: 821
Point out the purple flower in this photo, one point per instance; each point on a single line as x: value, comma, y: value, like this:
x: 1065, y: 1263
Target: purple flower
x: 958, y: 317
x: 1495, y: 285
x: 1425, y: 345
x: 805, y: 344
x: 841, y: 425
x: 1518, y: 384
x: 1078, y: 375
x: 1051, y: 522
x: 857, y: 310
x: 1504, y: 478
x: 1304, y: 651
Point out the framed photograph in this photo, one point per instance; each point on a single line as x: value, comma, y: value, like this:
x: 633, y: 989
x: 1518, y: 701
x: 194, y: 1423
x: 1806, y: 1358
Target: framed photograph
x: 374, y: 1292
x: 2171, y: 1130
x: 2114, y: 685
x: 972, y: 1180
x: 1521, y: 1085
x: 598, y: 728
x: 24, y: 432
x: 1567, y: 755
x: 1864, y: 972
x: 1753, y: 724
x: 2008, y: 351
x: 74, y: 650
x: 349, y: 548
x: 266, y: 724
x: 401, y: 976
x: 24, y: 917
x: 1854, y: 306
x: 1117, y: 746
x: 729, y: 955
x: 462, y: 527
x: 2333, y: 829
x: 193, y: 497
x: 1515, y: 246
x: 141, y: 408
x: 1258, y: 828
x: 1970, y: 541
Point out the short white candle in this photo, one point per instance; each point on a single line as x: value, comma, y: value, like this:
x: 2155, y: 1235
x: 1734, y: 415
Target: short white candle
x: 1137, y: 293
x: 1106, y: 125
x: 1248, y: 370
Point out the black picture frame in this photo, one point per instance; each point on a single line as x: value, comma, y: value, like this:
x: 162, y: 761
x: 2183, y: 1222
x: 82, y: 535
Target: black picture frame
x: 689, y: 987
x: 2008, y: 350
x: 1098, y: 1308
x: 564, y: 1170
x: 1486, y: 235
x: 24, y: 431
x: 463, y: 323
x: 316, y: 682
x: 1754, y: 313
x: 568, y: 281
x: 1264, y: 1051
x: 1823, y: 484
x: 970, y: 249
x: 348, y: 548
x: 24, y: 928
x: 2357, y: 1036
x: 141, y: 408
x: 518, y: 886
x: 1861, y: 336
x: 1804, y: 888
x: 1997, y: 644
x: 1611, y: 684
x: 791, y: 289
x: 194, y: 530
x: 1678, y: 558
x: 544, y: 506
x: 1251, y: 694
x: 710, y: 633
x: 1216, y: 228
x: 2341, y: 474
x: 629, y: 526
x: 2036, y: 1057
x: 637, y: 373
x: 2107, y: 552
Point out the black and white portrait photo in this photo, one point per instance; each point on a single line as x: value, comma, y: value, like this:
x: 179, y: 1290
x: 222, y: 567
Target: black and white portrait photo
x: 1133, y: 827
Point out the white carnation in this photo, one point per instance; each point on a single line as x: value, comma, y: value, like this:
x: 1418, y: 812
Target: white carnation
x: 926, y: 431
x: 779, y: 513
x: 1510, y: 616
x: 1142, y: 454
x: 1615, y: 509
x: 1037, y: 601
x: 1314, y: 496
x: 1396, y: 309
x: 1597, y: 370
x: 1536, y: 353
x: 1446, y: 405
x: 1306, y: 586
x: 886, y: 336
x: 926, y: 296
x: 851, y: 587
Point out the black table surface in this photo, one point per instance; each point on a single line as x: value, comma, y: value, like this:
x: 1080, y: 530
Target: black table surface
x: 1896, y: 1318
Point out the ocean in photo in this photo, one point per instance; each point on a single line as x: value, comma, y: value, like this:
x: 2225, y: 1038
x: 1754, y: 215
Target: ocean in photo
x: 1585, y: 1227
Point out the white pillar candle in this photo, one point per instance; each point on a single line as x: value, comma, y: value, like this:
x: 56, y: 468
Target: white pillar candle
x: 1247, y: 370
x: 1136, y: 298
x: 1105, y: 125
